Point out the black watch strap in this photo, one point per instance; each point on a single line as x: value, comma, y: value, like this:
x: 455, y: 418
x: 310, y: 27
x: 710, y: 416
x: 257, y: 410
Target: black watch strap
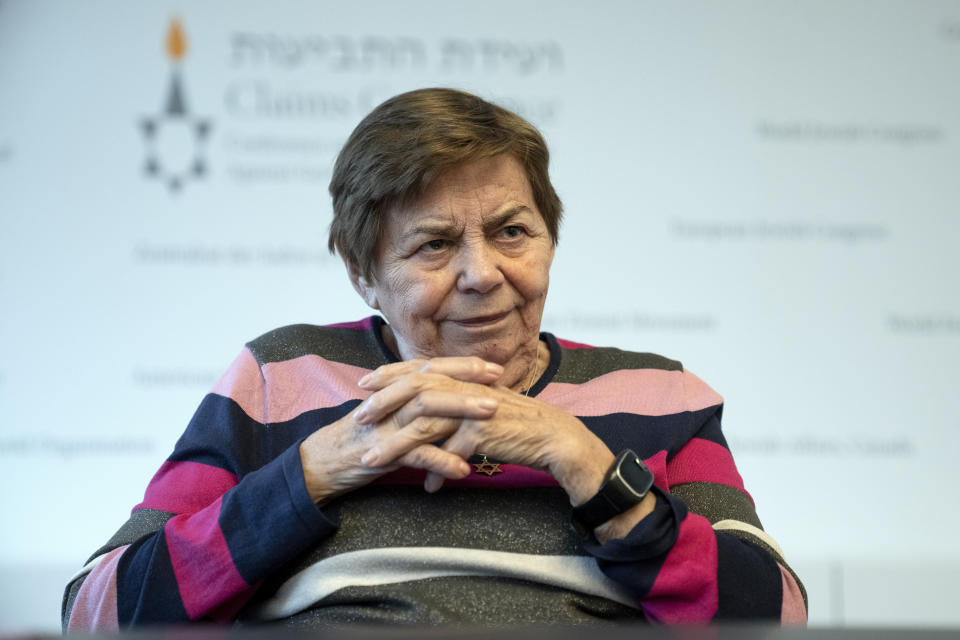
x: 627, y: 482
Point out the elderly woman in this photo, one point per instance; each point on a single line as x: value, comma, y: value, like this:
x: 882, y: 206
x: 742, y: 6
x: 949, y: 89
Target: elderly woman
x: 445, y: 461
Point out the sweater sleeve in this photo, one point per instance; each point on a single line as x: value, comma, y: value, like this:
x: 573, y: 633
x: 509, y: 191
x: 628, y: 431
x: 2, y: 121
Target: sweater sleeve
x: 214, y: 523
x: 702, y: 554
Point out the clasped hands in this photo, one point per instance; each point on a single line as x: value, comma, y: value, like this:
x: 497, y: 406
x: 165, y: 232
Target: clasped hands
x: 416, y: 403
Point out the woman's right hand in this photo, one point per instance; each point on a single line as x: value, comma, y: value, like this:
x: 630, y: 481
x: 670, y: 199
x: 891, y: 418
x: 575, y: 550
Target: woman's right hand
x: 331, y: 456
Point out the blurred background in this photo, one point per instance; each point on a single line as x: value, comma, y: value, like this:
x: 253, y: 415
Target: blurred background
x: 765, y: 190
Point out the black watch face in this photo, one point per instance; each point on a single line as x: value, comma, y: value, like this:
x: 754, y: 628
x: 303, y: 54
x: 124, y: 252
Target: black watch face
x: 625, y: 485
x: 635, y: 480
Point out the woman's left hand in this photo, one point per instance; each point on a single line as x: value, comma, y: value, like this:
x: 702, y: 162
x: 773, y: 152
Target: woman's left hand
x: 523, y: 430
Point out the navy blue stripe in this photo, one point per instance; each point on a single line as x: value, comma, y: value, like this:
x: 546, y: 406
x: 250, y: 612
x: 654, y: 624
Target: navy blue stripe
x: 222, y: 435
x: 709, y: 420
x: 648, y: 435
x: 272, y: 499
x: 145, y: 601
x: 748, y: 580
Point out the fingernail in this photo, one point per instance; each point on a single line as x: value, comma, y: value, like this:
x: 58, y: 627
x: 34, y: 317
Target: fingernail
x: 494, y: 369
x: 361, y: 415
x: 370, y: 458
x: 364, y: 380
x: 486, y: 404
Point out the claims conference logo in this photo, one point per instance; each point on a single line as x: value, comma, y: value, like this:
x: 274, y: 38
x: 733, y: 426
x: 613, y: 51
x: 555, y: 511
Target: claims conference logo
x: 175, y: 139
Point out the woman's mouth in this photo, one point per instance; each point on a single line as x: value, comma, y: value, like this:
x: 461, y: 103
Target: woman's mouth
x: 481, y: 321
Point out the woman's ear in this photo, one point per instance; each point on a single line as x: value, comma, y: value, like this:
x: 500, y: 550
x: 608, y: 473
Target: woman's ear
x: 364, y: 287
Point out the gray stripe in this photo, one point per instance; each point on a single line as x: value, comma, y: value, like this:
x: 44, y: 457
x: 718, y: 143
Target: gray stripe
x: 582, y: 365
x: 394, y: 565
x: 69, y: 596
x: 457, y: 606
x: 349, y: 346
x: 142, y: 522
x: 717, y: 502
x: 519, y: 520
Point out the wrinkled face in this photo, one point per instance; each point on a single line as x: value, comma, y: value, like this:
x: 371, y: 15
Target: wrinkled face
x: 464, y: 270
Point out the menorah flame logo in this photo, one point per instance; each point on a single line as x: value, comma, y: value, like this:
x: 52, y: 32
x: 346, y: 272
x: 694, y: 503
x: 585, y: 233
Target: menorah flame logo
x: 175, y: 139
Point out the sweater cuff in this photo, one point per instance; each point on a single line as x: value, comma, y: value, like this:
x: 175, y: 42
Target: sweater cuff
x: 650, y: 538
x: 269, y: 518
x: 322, y: 522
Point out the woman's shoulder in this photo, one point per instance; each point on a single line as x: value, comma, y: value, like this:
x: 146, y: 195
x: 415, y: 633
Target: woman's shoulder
x: 583, y: 361
x: 349, y: 342
x: 659, y: 384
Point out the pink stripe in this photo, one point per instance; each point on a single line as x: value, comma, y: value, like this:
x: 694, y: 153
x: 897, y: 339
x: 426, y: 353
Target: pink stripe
x: 298, y: 385
x: 228, y: 610
x: 704, y: 461
x: 186, y: 487
x: 657, y: 464
x: 570, y: 344
x: 649, y: 392
x: 95, y: 607
x: 243, y: 384
x: 685, y: 590
x: 514, y: 476
x: 792, y: 611
x: 360, y: 325
x: 202, y: 563
x: 699, y: 394
x: 307, y: 383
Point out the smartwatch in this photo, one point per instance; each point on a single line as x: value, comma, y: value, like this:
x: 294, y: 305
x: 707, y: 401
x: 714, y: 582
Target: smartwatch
x: 627, y: 482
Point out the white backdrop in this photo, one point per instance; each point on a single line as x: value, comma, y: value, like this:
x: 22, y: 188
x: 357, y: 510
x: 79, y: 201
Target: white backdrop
x: 767, y: 191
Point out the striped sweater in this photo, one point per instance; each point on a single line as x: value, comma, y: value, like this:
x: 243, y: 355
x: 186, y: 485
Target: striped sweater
x: 227, y: 530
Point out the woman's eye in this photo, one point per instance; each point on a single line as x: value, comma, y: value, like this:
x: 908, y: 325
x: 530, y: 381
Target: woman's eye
x: 434, y: 245
x: 512, y: 231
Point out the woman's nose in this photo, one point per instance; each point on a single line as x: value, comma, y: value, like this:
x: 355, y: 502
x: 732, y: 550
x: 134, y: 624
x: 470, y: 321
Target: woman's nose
x: 479, y: 268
